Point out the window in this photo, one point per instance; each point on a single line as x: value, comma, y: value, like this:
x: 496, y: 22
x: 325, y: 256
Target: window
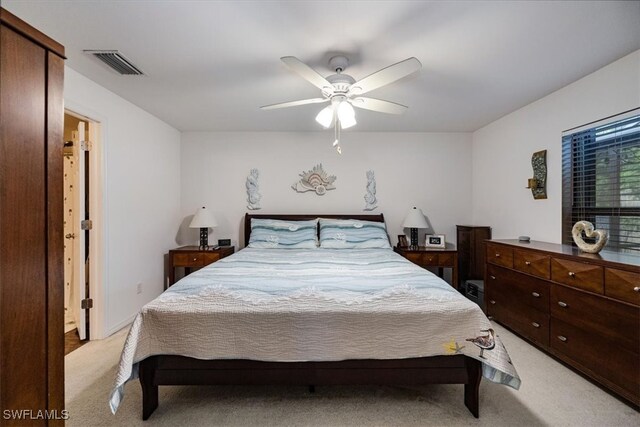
x: 601, y: 180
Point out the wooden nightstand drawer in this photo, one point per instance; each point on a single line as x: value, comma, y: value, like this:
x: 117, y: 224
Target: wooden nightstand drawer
x: 500, y: 255
x: 577, y: 274
x: 429, y: 259
x: 210, y: 257
x: 414, y: 257
x: 446, y: 260
x: 188, y: 259
x: 432, y: 257
x: 423, y: 259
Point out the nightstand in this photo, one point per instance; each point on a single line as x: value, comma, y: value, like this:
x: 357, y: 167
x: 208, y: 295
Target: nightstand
x: 433, y: 257
x: 192, y: 257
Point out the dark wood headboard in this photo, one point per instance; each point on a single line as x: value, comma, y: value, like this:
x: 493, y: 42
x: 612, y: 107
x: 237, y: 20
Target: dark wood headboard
x: 304, y: 217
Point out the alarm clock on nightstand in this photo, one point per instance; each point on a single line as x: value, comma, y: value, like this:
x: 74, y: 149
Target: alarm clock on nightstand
x: 434, y: 241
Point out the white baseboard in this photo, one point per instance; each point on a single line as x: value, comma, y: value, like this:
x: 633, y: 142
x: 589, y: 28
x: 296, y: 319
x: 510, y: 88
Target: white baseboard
x: 115, y: 328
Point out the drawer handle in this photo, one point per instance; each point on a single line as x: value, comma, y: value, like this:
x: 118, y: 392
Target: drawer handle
x: 492, y: 302
x: 497, y: 255
x: 490, y: 317
x: 572, y: 274
x: 563, y: 304
x: 636, y: 289
x: 528, y: 262
x: 535, y: 294
x: 195, y: 259
x: 493, y: 277
x: 562, y: 338
x: 535, y: 325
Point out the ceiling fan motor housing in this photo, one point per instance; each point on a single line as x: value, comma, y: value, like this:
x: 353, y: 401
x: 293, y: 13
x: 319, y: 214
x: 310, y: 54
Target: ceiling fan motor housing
x: 341, y: 82
x: 338, y: 63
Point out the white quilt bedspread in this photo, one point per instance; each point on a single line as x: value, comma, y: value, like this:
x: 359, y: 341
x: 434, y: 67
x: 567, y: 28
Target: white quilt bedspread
x: 311, y: 305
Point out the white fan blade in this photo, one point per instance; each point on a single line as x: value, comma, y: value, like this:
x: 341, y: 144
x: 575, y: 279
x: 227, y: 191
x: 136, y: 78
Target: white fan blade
x: 379, y: 105
x: 295, y: 103
x: 308, y: 73
x: 385, y: 76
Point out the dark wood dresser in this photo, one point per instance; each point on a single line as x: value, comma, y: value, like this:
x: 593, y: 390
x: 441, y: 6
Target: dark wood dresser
x: 582, y: 308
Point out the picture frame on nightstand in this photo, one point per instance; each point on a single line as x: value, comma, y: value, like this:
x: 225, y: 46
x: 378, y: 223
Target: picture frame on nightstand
x: 402, y: 241
x: 435, y: 241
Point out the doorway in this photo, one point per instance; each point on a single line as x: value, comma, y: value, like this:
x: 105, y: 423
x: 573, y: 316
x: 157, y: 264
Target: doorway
x: 80, y: 210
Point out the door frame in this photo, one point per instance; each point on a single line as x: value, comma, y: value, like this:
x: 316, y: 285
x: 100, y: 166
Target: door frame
x: 97, y: 203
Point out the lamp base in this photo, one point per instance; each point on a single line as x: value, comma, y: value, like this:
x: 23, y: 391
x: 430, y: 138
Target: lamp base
x: 204, y: 238
x: 414, y: 237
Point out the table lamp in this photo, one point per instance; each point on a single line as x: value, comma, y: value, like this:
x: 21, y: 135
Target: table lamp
x: 203, y: 219
x: 414, y: 220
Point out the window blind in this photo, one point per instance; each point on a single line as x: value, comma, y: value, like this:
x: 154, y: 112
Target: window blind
x: 601, y: 180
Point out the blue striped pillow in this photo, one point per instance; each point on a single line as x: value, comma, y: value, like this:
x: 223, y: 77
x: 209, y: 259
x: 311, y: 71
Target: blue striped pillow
x: 273, y: 233
x: 351, y: 233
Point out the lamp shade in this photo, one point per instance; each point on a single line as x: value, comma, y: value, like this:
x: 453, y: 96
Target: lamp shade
x: 415, y: 219
x: 325, y: 117
x: 346, y: 114
x: 203, y: 219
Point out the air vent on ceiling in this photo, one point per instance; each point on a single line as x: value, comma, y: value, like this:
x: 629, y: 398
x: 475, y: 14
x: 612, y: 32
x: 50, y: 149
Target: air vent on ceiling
x: 116, y: 60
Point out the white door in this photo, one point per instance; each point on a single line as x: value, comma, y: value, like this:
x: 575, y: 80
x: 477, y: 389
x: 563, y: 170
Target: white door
x: 79, y: 291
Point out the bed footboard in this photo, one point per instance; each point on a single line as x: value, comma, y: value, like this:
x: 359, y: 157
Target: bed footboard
x: 179, y: 370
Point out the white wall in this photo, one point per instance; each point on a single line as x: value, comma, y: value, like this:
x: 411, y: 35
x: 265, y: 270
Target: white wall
x: 141, y: 196
x: 502, y: 150
x: 427, y: 170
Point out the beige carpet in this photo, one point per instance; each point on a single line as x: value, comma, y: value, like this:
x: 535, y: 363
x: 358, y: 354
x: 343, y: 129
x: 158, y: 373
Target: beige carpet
x: 550, y: 395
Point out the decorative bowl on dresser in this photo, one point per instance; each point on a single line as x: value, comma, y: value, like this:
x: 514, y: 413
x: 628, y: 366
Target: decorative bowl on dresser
x: 582, y: 308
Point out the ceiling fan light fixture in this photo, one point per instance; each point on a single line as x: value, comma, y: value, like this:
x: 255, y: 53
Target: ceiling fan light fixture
x: 346, y: 115
x: 325, y: 117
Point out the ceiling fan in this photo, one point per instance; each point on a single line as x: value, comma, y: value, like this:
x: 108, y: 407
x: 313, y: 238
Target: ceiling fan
x: 344, y: 92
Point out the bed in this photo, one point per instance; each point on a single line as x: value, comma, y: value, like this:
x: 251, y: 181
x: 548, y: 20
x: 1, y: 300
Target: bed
x: 311, y: 317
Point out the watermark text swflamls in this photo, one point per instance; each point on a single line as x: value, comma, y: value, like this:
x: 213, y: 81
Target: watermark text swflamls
x: 30, y: 414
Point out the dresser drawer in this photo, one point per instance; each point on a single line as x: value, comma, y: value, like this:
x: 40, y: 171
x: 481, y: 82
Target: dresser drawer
x: 188, y: 259
x: 505, y: 307
x: 622, y: 285
x: 497, y: 308
x: 603, y: 317
x: 578, y: 274
x: 519, y: 289
x: 604, y: 358
x: 531, y: 324
x: 500, y: 255
x: 533, y: 263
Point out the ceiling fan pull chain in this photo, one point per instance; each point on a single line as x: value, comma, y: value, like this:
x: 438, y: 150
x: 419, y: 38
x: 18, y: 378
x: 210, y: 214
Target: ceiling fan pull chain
x: 336, y: 143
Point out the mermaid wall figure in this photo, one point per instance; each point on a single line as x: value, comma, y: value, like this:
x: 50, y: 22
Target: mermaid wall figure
x: 253, y: 190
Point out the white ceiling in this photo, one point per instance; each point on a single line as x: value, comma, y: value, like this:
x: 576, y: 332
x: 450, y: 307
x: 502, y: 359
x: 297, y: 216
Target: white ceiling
x: 211, y: 64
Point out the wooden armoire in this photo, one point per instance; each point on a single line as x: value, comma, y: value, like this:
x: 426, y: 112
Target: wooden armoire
x: 31, y: 225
